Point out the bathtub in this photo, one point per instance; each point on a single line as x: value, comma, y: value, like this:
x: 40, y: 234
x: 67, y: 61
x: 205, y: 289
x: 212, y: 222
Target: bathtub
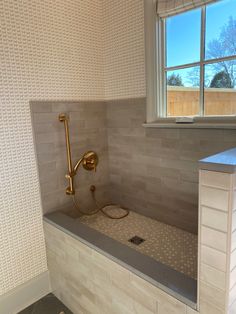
x: 93, y: 273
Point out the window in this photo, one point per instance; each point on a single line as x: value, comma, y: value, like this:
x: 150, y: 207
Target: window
x: 198, y: 62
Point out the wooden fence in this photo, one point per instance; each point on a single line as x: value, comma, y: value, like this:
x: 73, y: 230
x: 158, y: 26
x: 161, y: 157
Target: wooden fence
x: 184, y: 101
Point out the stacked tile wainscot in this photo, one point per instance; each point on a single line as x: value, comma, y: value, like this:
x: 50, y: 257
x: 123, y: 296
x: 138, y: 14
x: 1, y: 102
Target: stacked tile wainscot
x: 217, y: 234
x: 91, y: 273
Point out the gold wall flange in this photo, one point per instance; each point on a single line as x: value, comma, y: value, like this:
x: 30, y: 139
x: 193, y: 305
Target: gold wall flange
x: 63, y: 117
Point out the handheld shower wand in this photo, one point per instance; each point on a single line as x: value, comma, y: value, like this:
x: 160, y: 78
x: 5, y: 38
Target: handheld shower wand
x: 89, y: 160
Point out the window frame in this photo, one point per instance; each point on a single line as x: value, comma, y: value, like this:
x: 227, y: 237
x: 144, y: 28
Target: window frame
x: 155, y: 75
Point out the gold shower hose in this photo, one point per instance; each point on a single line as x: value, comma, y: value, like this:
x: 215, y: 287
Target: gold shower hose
x: 99, y: 208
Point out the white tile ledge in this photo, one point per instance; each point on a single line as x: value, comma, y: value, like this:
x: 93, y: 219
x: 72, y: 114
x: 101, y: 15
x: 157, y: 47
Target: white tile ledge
x: 215, y: 187
x: 221, y: 162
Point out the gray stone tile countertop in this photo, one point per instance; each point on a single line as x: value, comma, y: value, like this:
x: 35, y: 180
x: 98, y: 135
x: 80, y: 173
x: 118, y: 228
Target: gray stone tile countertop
x: 221, y: 162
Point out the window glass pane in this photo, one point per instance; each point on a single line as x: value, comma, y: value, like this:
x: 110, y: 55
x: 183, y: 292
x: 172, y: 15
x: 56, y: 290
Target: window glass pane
x: 183, y: 92
x: 221, y: 29
x: 183, y: 38
x: 220, y: 88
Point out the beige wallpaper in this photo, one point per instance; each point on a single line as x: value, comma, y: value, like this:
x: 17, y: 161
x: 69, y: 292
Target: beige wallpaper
x: 124, y: 49
x: 54, y: 50
x: 48, y: 50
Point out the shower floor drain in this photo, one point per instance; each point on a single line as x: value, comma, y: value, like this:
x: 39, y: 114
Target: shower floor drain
x: 136, y: 240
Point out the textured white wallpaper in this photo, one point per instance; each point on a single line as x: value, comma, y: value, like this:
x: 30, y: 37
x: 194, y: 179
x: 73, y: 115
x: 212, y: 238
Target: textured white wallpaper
x: 54, y: 50
x: 48, y: 50
x: 124, y: 64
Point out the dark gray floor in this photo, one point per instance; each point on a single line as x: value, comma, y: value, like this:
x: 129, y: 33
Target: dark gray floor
x: 47, y: 305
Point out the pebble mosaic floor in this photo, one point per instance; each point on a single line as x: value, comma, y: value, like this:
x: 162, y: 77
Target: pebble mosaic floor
x: 169, y: 245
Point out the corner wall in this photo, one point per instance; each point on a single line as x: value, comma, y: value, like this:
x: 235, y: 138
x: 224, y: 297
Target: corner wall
x: 49, y: 50
x: 88, y: 131
x: 54, y: 51
x: 155, y: 171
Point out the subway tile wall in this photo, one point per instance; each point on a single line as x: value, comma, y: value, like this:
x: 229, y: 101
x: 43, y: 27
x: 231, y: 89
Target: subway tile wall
x: 232, y: 248
x: 217, y: 266
x: 216, y: 243
x: 155, y: 171
x: 87, y: 132
x: 151, y: 171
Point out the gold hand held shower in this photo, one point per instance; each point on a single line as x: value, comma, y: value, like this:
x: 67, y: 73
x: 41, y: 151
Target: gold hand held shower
x: 89, y: 160
x: 70, y: 189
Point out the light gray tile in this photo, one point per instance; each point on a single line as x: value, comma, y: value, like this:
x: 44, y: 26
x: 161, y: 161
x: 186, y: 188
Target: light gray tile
x: 114, y: 128
x: 38, y: 106
x: 51, y: 149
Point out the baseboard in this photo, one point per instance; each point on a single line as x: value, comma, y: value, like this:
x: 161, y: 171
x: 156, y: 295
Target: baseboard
x: 24, y: 295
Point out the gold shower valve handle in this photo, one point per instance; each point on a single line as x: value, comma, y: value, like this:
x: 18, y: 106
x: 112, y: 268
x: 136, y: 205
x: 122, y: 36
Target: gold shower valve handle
x: 90, y: 161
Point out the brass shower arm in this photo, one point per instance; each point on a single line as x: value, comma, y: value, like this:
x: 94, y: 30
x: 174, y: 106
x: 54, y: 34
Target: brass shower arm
x: 76, y: 167
x: 89, y: 162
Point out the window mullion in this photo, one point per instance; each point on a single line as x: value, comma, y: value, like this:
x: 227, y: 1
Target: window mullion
x: 164, y: 96
x: 182, y: 66
x: 202, y: 57
x: 163, y: 109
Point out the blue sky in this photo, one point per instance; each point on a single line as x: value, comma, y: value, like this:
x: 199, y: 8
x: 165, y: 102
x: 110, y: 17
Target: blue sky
x: 183, y: 31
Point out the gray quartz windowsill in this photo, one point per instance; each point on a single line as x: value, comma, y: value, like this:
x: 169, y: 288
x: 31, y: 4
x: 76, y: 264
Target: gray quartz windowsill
x: 221, y: 162
x: 173, y: 125
x: 207, y: 122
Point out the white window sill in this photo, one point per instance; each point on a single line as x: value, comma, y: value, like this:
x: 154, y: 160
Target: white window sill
x: 199, y: 123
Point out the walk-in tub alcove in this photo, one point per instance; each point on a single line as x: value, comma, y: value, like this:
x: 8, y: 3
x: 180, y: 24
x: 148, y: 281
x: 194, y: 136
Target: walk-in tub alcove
x: 94, y: 264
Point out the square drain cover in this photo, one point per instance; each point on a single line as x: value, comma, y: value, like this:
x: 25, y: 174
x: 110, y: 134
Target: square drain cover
x: 136, y: 240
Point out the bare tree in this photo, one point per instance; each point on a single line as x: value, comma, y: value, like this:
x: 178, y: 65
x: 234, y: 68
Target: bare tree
x: 224, y: 45
x: 194, y: 77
